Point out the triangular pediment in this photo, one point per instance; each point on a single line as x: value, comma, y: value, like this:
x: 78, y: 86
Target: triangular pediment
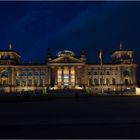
x: 66, y: 59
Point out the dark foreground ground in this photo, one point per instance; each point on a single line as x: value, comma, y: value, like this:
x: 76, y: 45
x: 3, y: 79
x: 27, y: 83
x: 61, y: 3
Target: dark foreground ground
x: 88, y: 117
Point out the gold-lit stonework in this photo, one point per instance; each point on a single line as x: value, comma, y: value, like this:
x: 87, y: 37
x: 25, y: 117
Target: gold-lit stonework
x: 68, y: 71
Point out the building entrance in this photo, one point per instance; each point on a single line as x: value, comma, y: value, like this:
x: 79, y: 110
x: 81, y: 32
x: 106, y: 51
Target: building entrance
x: 66, y: 77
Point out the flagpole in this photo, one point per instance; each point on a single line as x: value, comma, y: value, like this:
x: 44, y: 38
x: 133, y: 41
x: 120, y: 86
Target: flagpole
x: 102, y: 76
x: 101, y: 64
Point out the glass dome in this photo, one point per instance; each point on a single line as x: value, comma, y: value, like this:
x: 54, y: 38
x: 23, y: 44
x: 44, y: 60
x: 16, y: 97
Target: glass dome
x: 65, y: 53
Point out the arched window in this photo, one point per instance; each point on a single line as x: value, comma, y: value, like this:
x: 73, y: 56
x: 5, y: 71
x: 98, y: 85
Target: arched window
x: 90, y: 81
x: 4, y: 77
x: 4, y: 74
x: 113, y: 81
x: 107, y: 73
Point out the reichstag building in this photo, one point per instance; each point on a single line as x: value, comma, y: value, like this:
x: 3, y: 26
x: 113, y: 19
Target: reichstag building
x: 68, y: 71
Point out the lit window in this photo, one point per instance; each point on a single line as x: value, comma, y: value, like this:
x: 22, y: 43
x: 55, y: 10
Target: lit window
x: 17, y: 82
x: 96, y: 81
x: 107, y: 81
x: 4, y: 74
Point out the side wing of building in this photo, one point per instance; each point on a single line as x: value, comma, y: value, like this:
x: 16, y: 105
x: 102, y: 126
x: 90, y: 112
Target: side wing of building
x: 17, y: 77
x: 111, y: 78
x: 119, y: 76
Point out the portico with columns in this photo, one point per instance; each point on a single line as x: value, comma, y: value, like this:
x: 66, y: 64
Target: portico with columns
x: 66, y: 70
x: 66, y: 76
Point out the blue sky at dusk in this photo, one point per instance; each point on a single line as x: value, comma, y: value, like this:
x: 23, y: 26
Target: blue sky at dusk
x: 32, y: 27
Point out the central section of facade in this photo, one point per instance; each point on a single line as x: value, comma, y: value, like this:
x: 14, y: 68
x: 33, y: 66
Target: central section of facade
x: 66, y: 70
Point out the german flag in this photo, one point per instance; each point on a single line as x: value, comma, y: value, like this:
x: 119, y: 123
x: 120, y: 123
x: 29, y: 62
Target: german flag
x: 100, y: 56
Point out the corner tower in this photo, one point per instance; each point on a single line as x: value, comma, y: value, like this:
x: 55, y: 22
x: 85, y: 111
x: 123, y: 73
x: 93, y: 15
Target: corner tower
x: 9, y: 56
x: 122, y: 56
x: 123, y: 59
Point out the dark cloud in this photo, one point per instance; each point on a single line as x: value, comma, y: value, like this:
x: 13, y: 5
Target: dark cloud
x: 35, y: 26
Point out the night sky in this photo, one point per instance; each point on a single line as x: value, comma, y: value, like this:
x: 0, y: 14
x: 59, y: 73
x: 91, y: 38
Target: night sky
x: 32, y: 27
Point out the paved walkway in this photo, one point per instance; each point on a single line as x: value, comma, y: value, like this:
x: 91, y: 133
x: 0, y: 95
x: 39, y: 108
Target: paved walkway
x: 83, y: 118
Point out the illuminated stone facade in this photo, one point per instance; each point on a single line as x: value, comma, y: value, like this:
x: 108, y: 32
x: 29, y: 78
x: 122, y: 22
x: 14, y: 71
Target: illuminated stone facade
x: 67, y: 71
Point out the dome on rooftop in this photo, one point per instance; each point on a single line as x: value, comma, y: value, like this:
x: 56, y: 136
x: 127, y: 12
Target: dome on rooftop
x: 65, y: 53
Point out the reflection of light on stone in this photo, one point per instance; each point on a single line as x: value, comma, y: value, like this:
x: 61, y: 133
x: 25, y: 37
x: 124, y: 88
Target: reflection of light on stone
x: 137, y: 91
x: 26, y: 88
x: 77, y: 87
x: 54, y: 88
x: 4, y: 78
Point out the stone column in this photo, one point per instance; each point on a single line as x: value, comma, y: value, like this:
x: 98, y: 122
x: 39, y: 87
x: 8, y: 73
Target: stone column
x: 134, y: 75
x: 74, y: 75
x: 49, y: 76
x: 56, y: 69
x: 80, y: 77
x: 52, y: 76
x: 59, y: 69
x: 62, y: 75
x: 39, y: 78
x: 10, y: 79
x: 33, y: 78
x: 9, y: 76
x: 69, y: 76
x: 76, y: 80
x: 26, y: 78
x: 13, y: 77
